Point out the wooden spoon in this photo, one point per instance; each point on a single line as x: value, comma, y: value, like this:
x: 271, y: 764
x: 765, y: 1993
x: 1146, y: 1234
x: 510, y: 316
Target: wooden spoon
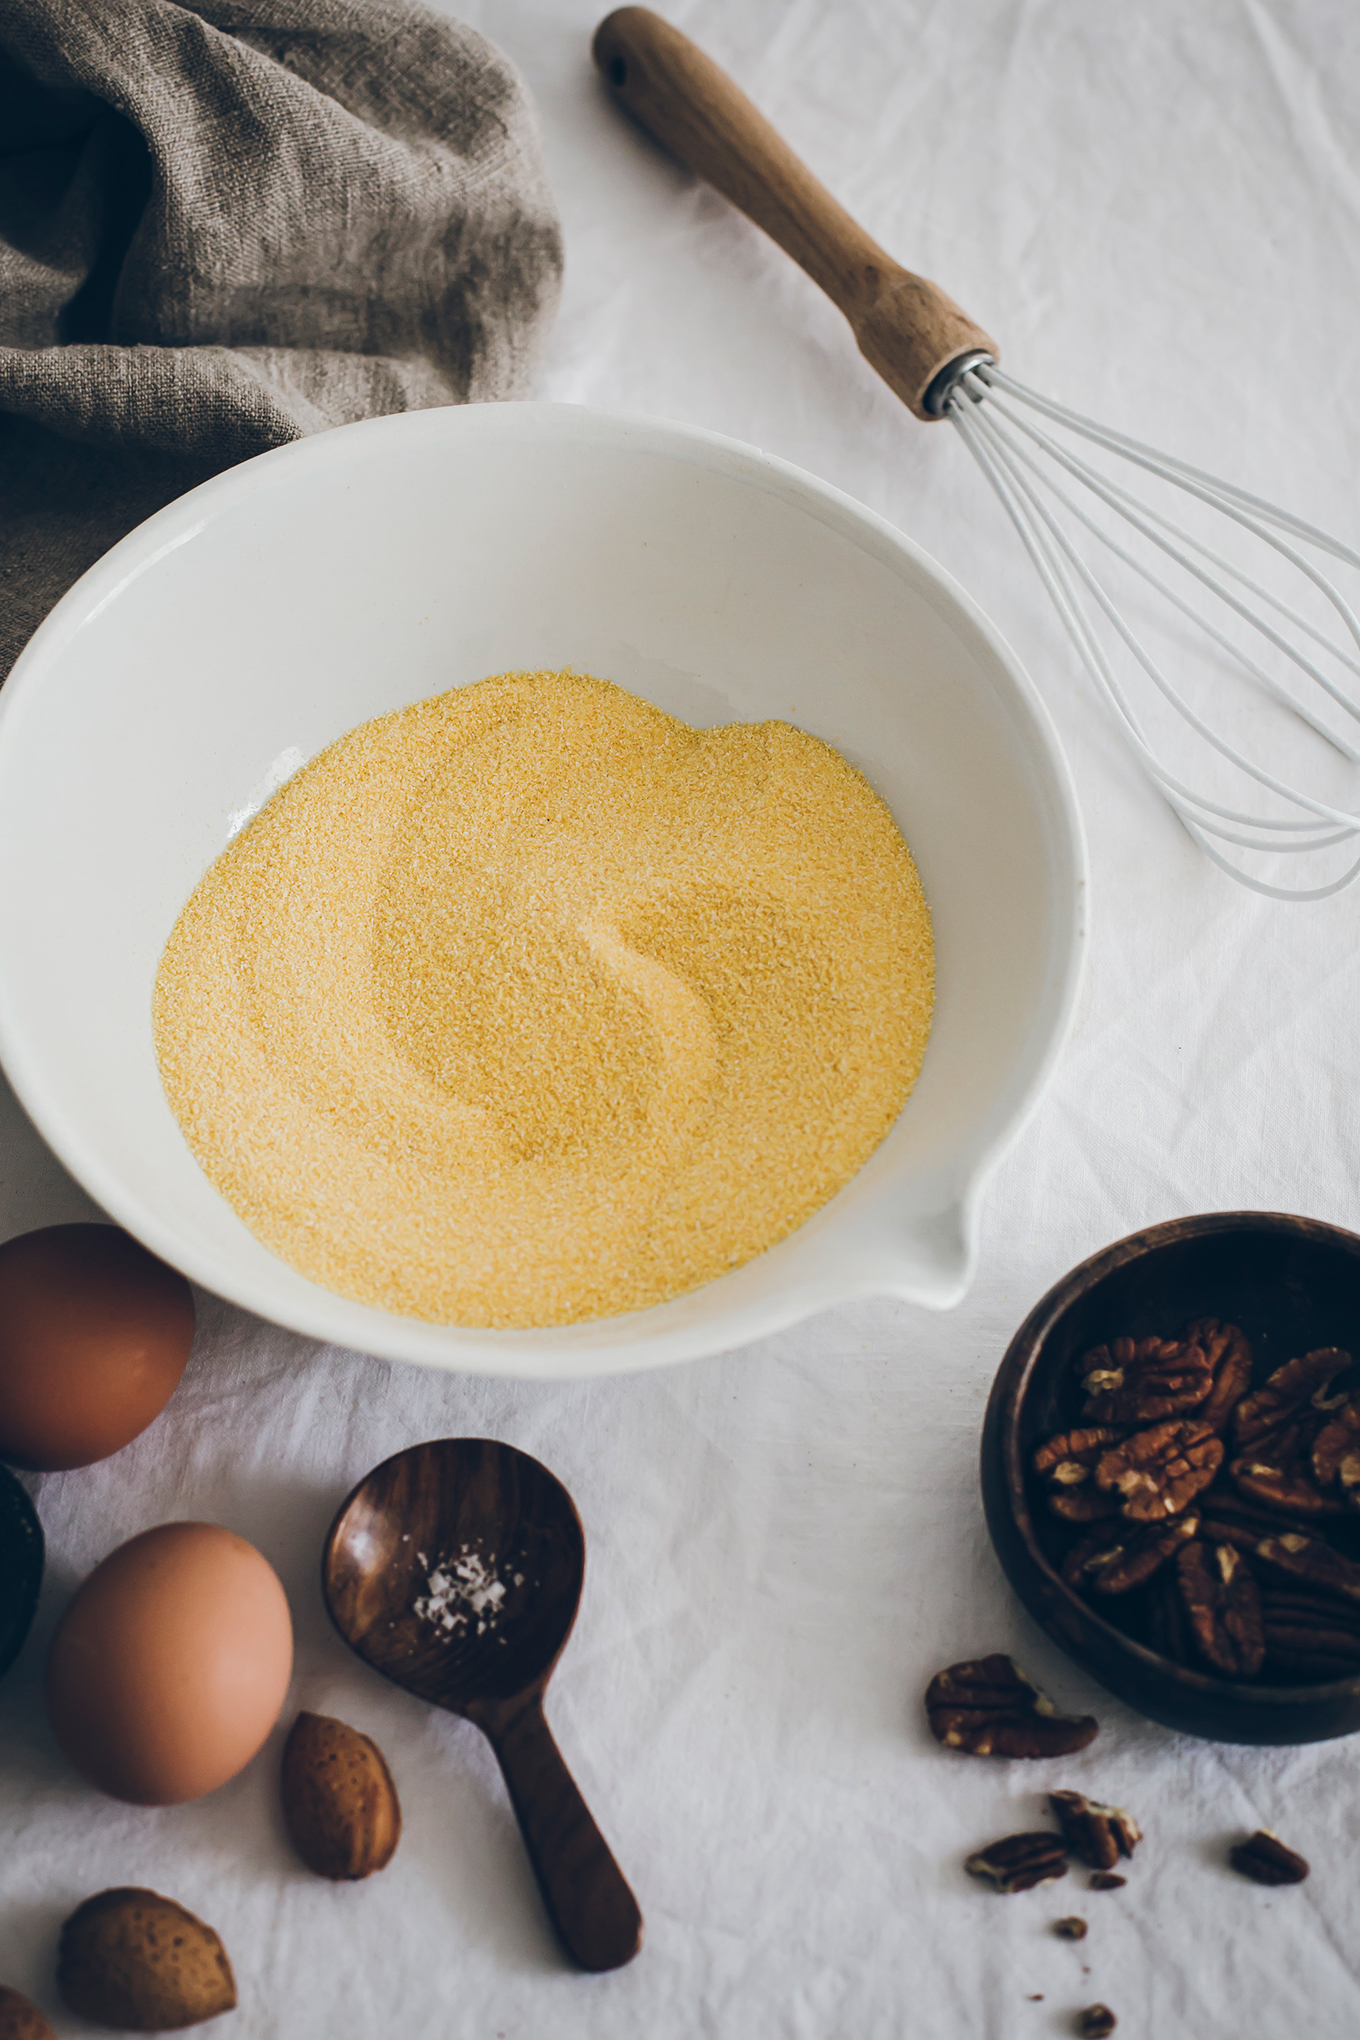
x: 455, y: 1570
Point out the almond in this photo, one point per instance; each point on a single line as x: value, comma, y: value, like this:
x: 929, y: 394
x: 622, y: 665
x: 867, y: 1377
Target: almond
x: 21, y: 2020
x: 133, y: 1959
x: 339, y: 1802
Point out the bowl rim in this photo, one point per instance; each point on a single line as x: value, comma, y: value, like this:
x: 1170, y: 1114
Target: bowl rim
x: 535, y: 1353
x: 1016, y: 1372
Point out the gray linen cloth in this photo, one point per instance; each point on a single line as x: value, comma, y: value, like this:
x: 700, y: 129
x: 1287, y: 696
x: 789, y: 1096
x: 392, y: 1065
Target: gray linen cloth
x: 227, y: 224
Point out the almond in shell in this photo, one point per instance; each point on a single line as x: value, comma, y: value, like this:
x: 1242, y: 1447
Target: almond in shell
x: 339, y: 1803
x: 133, y: 1959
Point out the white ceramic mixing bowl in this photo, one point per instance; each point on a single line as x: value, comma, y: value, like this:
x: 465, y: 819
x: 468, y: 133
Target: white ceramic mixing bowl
x: 253, y: 621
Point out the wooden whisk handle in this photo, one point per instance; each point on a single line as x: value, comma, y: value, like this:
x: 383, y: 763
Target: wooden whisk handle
x: 905, y: 325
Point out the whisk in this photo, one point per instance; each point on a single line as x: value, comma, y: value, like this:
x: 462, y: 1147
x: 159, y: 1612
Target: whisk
x: 1035, y: 453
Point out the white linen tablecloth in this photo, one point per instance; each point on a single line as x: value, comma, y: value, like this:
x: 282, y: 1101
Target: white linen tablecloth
x: 1157, y: 211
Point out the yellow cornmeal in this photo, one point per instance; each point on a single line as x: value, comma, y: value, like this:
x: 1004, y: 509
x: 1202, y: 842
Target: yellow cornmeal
x: 530, y: 1004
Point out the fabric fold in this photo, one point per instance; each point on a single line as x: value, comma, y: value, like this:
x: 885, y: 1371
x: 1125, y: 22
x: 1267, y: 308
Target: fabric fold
x: 226, y: 226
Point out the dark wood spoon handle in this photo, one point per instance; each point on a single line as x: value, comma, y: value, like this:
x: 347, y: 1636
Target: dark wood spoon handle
x: 584, y: 1890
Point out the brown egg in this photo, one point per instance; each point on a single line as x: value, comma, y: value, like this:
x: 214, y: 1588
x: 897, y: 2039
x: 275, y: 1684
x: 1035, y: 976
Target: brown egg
x: 170, y: 1665
x: 94, y: 1334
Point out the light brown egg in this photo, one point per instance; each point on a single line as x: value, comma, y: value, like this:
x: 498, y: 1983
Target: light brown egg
x: 94, y: 1334
x: 170, y: 1665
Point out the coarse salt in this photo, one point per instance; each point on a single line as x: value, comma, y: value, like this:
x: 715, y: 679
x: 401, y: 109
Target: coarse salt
x: 461, y: 1591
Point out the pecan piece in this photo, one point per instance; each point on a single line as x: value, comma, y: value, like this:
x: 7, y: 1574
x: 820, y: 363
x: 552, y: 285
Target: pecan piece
x: 1020, y: 1862
x: 1105, y: 1880
x: 1068, y: 1463
x: 1097, y: 2022
x: 1098, y: 1835
x: 1157, y: 1473
x: 1291, y: 1400
x: 987, y: 1707
x: 1143, y: 1381
x: 1223, y: 1603
x: 1123, y: 1555
x: 1288, y: 1487
x: 1226, y: 1349
x: 1311, y: 1562
x: 1336, y: 1453
x: 1264, y: 1858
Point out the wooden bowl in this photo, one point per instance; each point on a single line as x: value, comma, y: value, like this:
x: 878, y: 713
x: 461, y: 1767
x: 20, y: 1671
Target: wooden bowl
x: 1291, y: 1284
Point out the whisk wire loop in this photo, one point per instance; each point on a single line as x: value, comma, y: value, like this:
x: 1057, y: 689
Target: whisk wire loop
x: 1171, y: 466
x: 1136, y: 514
x: 1017, y: 456
x: 1057, y: 559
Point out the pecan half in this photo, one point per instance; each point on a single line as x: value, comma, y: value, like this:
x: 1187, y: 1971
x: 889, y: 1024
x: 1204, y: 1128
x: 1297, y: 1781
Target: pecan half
x: 1223, y: 1604
x: 1336, y: 1453
x: 988, y: 1708
x: 1226, y: 1349
x: 1123, y: 1555
x: 1020, y: 1862
x: 1264, y: 1858
x: 1290, y: 1441
x: 1310, y: 1667
x: 1105, y: 1880
x: 1068, y: 1464
x: 1282, y: 1599
x: 1311, y: 1562
x: 1288, y: 1401
x: 1157, y: 1473
x: 1231, y: 1519
x: 1143, y: 1381
x: 1168, y: 1629
x: 1310, y: 1636
x: 1097, y: 2022
x: 1098, y: 1835
x: 1289, y: 1487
